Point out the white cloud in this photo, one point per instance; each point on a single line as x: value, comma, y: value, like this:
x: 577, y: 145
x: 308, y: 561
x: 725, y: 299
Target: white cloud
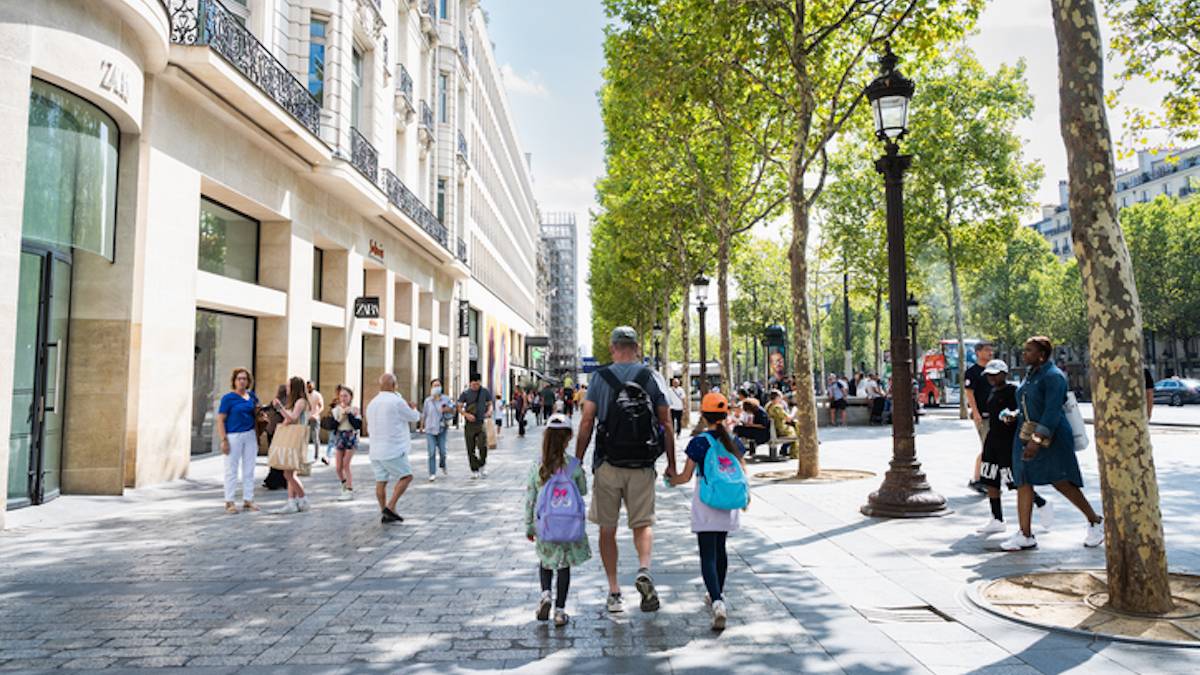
x: 525, y: 86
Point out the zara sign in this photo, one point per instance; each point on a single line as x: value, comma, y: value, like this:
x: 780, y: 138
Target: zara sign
x: 366, y: 307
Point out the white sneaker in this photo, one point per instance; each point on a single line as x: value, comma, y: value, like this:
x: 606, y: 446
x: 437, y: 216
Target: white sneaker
x: 1019, y: 542
x: 707, y: 599
x: 432, y: 477
x: 483, y: 473
x: 302, y: 504
x: 615, y: 603
x: 289, y: 507
x: 543, y: 610
x: 719, y: 615
x: 346, y: 495
x: 474, y: 475
x: 1045, y: 516
x: 560, y: 618
x: 1095, y: 535
x: 993, y: 527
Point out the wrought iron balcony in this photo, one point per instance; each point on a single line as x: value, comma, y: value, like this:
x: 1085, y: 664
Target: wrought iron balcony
x: 207, y: 22
x: 463, y: 52
x: 462, y: 145
x: 364, y: 156
x: 426, y: 115
x: 404, y: 85
x: 462, y: 250
x: 404, y: 199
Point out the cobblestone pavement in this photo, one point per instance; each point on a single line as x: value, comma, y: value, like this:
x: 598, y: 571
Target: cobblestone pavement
x: 163, y: 578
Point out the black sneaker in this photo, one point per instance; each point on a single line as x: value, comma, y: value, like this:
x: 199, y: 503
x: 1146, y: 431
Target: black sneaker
x: 645, y: 585
x: 390, y: 516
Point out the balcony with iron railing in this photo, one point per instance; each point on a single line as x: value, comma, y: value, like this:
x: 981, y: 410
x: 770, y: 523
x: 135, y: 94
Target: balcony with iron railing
x: 207, y: 23
x: 404, y: 199
x: 404, y: 86
x: 364, y: 156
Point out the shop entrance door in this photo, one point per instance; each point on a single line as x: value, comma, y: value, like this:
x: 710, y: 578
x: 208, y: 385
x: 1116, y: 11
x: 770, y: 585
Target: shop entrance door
x: 35, y: 439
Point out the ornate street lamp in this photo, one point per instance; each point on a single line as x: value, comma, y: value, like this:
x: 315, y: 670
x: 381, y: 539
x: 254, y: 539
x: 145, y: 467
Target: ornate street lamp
x: 904, y: 493
x: 658, y: 333
x: 700, y: 294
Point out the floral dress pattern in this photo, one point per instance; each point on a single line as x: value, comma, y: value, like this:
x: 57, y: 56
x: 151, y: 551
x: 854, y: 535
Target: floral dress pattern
x: 555, y: 556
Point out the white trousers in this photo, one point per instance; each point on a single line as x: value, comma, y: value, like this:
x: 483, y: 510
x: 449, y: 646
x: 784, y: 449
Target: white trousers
x: 243, y: 452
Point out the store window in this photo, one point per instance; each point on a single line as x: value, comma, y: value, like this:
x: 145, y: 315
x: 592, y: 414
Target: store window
x: 314, y: 364
x: 223, y: 342
x: 70, y: 173
x: 317, y: 29
x: 228, y: 242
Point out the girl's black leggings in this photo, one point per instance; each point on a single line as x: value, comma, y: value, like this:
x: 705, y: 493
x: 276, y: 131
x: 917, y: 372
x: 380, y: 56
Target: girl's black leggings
x: 713, y: 562
x: 563, y: 586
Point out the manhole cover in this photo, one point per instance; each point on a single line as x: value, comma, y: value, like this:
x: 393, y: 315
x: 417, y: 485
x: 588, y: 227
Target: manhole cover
x: 914, y: 614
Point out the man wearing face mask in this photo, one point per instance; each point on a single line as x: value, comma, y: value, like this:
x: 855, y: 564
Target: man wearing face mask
x: 436, y: 414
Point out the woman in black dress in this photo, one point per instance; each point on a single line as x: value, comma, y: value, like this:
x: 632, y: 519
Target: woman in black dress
x: 996, y: 468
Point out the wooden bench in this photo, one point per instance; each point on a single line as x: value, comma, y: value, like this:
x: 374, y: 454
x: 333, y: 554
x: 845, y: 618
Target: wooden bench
x: 776, y: 442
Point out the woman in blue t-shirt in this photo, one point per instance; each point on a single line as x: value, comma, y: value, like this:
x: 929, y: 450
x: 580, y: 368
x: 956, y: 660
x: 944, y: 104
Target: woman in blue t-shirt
x: 711, y: 525
x: 239, y: 443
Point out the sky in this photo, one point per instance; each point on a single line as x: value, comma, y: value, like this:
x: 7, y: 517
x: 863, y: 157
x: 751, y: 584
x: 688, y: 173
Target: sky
x: 550, y: 55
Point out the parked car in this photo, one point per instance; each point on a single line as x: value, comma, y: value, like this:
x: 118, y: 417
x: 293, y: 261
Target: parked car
x: 1176, y: 392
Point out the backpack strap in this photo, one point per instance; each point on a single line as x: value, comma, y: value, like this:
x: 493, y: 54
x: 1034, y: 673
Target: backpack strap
x: 643, y: 377
x: 616, y: 385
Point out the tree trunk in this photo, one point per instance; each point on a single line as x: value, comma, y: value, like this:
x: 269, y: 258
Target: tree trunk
x: 723, y: 312
x: 685, y: 338
x: 808, y: 465
x: 878, y: 337
x: 1136, y: 554
x: 958, y: 325
x: 665, y: 350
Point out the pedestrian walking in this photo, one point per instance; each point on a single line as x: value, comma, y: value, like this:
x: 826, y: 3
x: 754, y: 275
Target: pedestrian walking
x: 535, y: 401
x: 874, y: 393
x: 316, y: 407
x: 239, y: 442
x: 996, y: 470
x: 330, y: 425
x: 836, y: 392
x: 388, y: 417
x: 554, y: 517
x: 519, y: 407
x: 548, y: 399
x: 348, y: 419
x: 722, y: 492
x: 677, y: 394
x: 436, y: 413
x: 568, y: 397
x: 976, y: 390
x: 1044, y: 449
x: 628, y: 411
x: 475, y: 404
x: 498, y: 415
x: 289, y: 447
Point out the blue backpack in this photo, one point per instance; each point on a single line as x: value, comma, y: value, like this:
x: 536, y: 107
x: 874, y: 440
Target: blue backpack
x: 559, y: 511
x: 723, y: 484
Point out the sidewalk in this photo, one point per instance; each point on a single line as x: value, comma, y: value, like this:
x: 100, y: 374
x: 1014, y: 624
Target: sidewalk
x: 163, y: 578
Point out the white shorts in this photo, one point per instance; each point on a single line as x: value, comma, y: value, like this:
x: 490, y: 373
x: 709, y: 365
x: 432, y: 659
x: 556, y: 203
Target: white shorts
x: 391, y: 469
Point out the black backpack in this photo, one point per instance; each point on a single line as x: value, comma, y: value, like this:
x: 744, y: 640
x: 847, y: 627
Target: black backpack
x: 629, y: 435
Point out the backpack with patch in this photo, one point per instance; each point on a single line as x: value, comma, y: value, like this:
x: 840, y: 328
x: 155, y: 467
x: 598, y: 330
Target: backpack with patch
x: 723, y: 484
x: 629, y: 435
x: 559, y: 512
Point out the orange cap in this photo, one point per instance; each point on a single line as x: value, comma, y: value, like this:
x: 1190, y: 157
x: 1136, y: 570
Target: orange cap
x: 714, y: 402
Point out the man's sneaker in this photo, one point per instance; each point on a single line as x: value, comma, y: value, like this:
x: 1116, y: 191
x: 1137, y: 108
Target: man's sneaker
x: 719, y: 615
x: 289, y: 507
x: 645, y: 585
x: 615, y: 603
x: 560, y: 618
x: 482, y: 472
x: 1095, y: 535
x: 1045, y: 514
x: 1019, y: 542
x: 543, y: 610
x: 993, y: 527
x: 474, y: 475
x: 432, y: 477
x: 390, y: 516
x: 346, y: 495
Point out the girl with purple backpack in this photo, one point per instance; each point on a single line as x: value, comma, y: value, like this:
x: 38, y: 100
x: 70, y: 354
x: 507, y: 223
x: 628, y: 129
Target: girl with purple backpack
x: 554, y: 517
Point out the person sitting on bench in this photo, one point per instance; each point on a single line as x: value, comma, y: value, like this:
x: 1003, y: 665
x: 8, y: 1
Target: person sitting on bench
x: 754, y: 425
x: 785, y: 425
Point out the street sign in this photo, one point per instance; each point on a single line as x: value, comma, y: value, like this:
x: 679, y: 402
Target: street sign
x: 464, y: 319
x: 366, y: 307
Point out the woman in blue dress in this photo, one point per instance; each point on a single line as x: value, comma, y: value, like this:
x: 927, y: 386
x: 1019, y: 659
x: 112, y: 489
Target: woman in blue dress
x: 1044, y: 450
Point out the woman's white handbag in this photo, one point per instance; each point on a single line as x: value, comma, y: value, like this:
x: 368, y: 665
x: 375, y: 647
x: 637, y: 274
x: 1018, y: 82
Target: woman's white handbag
x: 1075, y: 419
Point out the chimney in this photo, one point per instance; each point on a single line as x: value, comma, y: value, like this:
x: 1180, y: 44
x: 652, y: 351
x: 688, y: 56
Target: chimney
x: 1063, y: 196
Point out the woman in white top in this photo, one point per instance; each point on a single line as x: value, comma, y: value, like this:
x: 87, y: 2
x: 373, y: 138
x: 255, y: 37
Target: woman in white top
x: 677, y: 405
x: 289, y: 447
x: 498, y: 414
x: 349, y: 421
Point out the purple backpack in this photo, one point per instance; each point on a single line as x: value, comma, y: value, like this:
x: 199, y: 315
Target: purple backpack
x: 559, y: 510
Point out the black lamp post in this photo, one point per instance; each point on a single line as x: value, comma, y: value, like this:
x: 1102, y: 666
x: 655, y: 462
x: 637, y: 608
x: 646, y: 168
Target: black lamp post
x: 658, y: 333
x: 914, y: 309
x: 904, y: 493
x: 700, y: 293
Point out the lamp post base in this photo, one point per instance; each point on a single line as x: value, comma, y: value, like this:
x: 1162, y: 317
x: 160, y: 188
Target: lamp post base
x: 905, y: 494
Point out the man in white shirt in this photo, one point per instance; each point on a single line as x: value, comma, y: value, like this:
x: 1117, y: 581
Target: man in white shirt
x: 388, y: 417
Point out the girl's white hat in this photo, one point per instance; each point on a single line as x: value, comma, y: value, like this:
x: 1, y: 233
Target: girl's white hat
x: 558, y: 421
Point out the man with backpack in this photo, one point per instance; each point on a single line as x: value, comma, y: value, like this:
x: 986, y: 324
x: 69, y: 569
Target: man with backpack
x: 627, y: 409
x: 475, y: 404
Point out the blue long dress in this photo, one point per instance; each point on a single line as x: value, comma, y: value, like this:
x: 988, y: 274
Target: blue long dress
x: 1041, y: 397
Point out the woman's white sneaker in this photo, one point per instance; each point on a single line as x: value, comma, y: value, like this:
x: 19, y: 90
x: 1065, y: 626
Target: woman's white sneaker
x: 1095, y: 535
x: 1045, y: 514
x: 543, y: 610
x: 289, y: 507
x: 993, y: 527
x: 1019, y: 542
x: 719, y: 615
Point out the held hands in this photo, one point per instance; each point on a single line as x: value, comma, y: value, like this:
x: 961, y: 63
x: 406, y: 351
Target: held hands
x: 530, y: 537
